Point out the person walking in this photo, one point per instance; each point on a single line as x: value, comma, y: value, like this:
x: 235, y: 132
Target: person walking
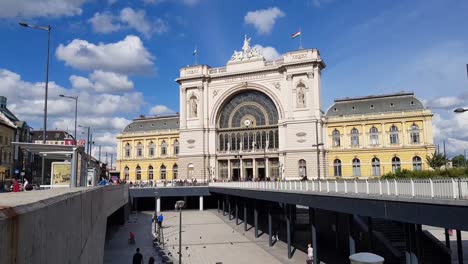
x: 310, y: 254
x: 138, y: 257
x: 25, y: 184
x: 151, y: 260
x: 160, y: 220
x: 103, y: 181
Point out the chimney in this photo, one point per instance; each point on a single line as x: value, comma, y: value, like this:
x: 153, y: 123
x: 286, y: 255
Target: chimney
x: 3, y: 102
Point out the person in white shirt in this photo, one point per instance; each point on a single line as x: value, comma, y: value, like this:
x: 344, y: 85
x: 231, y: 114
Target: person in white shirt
x: 25, y: 183
x: 310, y: 253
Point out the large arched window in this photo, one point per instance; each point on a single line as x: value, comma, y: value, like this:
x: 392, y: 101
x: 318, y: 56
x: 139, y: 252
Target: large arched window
x: 417, y: 163
x: 150, y: 172
x: 374, y: 136
x: 302, y: 168
x: 375, y: 167
x: 414, y: 134
x: 221, y: 142
x: 336, y: 138
x: 190, y: 170
x: 162, y: 172
x: 337, y: 168
x: 356, y: 167
x: 176, y: 147
x: 138, y: 173
x: 139, y: 150
x: 164, y: 148
x: 126, y: 173
x: 396, y: 164
x: 127, y: 150
x: 151, y: 149
x: 175, y: 171
x: 354, y: 137
x: 394, y: 135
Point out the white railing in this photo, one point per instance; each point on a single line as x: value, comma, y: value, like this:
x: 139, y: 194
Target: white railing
x: 456, y: 189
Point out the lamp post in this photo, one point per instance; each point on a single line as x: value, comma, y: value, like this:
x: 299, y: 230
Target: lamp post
x: 156, y: 197
x: 76, y: 112
x: 46, y: 28
x: 88, y: 146
x: 460, y: 110
x: 179, y: 205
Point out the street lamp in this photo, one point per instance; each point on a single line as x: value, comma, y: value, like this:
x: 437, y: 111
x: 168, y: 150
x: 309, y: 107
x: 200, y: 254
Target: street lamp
x: 318, y: 158
x: 460, y: 110
x: 46, y: 28
x: 156, y: 197
x: 88, y: 146
x: 179, y: 205
x: 76, y: 111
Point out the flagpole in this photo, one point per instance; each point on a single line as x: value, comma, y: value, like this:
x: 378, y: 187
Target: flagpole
x: 196, y: 54
x: 300, y: 39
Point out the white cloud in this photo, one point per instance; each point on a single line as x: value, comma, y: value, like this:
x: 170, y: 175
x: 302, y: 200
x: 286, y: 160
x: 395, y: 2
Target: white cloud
x: 263, y: 20
x: 446, y: 102
x: 269, y: 53
x: 104, y: 23
x: 102, y: 82
x: 185, y: 2
x: 40, y: 8
x: 160, y: 110
x: 126, y: 56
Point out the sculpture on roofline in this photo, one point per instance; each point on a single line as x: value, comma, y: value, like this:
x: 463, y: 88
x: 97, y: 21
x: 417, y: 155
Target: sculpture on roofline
x: 247, y: 52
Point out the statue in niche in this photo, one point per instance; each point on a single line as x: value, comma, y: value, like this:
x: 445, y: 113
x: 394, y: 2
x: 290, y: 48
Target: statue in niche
x: 193, y: 106
x: 301, y: 97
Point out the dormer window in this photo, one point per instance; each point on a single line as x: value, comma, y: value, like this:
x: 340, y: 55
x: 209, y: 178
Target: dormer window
x: 371, y: 106
x: 354, y: 108
x: 334, y: 109
x: 392, y: 105
x: 412, y: 103
x: 141, y: 126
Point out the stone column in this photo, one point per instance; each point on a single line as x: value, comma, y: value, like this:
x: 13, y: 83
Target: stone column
x: 267, y: 168
x: 183, y: 107
x: 241, y: 168
x: 229, y: 169
x: 254, y: 168
x: 201, y: 203
x: 158, y: 204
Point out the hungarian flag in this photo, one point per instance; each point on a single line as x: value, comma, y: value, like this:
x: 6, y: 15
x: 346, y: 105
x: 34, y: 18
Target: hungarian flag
x: 297, y: 34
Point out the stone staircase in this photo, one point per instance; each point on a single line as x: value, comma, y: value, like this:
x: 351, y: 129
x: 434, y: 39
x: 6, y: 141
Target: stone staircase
x: 394, y: 234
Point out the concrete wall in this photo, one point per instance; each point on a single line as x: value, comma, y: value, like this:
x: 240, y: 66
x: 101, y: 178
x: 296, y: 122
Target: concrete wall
x: 64, y: 227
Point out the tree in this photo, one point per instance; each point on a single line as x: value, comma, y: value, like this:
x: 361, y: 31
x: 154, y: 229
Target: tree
x: 458, y: 161
x: 436, y: 161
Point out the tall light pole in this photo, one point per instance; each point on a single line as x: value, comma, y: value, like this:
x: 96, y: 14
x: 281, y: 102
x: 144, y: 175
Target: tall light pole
x: 76, y: 112
x: 179, y: 205
x: 88, y: 146
x: 46, y: 28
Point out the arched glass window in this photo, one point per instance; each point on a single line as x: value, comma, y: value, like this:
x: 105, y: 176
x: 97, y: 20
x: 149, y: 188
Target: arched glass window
x: 190, y: 169
x: 414, y: 134
x: 302, y: 168
x: 139, y: 150
x: 271, y: 140
x: 354, y: 137
x: 126, y: 173
x: 127, y: 150
x: 396, y: 164
x: 251, y: 141
x: 233, y: 142
x: 164, y: 148
x: 221, y: 142
x: 394, y: 135
x: 258, y: 141
x: 150, y: 172
x: 417, y: 163
x: 151, y: 149
x: 162, y: 172
x: 375, y: 167
x: 176, y: 147
x: 175, y: 171
x: 336, y: 138
x: 337, y: 168
x: 245, y: 146
x: 356, y: 167
x: 138, y: 173
x: 264, y: 139
x: 374, y: 136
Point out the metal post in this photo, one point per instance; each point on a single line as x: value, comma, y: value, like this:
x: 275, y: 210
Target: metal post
x: 99, y: 153
x: 447, y: 238
x: 459, y: 247
x: 224, y: 207
x: 407, y: 243
x: 313, y: 232
x: 369, y: 224
x: 180, y: 235
x: 352, y: 243
x: 256, y: 219
x: 270, y: 229
x: 218, y: 205
x: 288, y: 228
x: 237, y: 213
x: 245, y: 215
x: 229, y: 208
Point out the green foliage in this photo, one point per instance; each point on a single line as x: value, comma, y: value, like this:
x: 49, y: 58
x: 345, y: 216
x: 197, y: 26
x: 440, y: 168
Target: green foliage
x: 459, y: 161
x: 448, y: 173
x: 436, y: 161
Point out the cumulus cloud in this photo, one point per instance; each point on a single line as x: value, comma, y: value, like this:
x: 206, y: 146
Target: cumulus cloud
x: 40, y: 8
x: 268, y: 52
x: 451, y: 128
x: 102, y: 82
x: 263, y: 20
x: 125, y: 56
x: 104, y: 23
x: 445, y: 102
x: 185, y: 2
x: 160, y: 110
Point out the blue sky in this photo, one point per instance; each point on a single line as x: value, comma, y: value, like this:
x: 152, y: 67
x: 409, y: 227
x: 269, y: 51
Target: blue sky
x: 121, y: 57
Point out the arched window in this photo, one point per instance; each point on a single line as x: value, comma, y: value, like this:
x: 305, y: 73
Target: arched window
x: 354, y: 137
x: 271, y: 140
x: 221, y: 142
x: 302, y: 168
x: 276, y: 139
x: 396, y: 164
x: 176, y: 147
x: 138, y: 173
x: 245, y: 146
x: 337, y: 168
x: 356, y: 167
x: 190, y: 169
x: 162, y: 172
x: 336, y: 138
x: 264, y: 139
x: 151, y: 149
x: 417, y: 163
x: 150, y: 172
x: 175, y: 171
x: 127, y: 150
x: 251, y: 141
x: 394, y: 135
x: 233, y: 142
x: 164, y: 148
x: 139, y: 150
x: 375, y: 167
x: 414, y: 134
x: 126, y: 173
x: 374, y: 136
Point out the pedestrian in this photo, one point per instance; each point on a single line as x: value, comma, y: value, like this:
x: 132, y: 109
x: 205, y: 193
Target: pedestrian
x: 310, y: 254
x: 151, y: 260
x: 16, y: 186
x: 160, y: 220
x: 103, y: 181
x: 25, y: 183
x: 138, y: 257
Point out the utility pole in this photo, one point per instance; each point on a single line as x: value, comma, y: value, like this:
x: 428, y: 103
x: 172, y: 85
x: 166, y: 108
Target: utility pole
x: 112, y: 157
x: 99, y: 153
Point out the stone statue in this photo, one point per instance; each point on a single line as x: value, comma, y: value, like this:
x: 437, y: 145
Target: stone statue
x: 246, y: 53
x: 246, y: 46
x: 301, y: 97
x: 193, y: 106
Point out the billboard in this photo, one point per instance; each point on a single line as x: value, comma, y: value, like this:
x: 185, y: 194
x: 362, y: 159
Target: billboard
x: 61, y: 173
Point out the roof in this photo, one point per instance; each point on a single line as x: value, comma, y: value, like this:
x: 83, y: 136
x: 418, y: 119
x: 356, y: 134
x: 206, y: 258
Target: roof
x: 6, y: 121
x: 143, y: 124
x: 403, y: 101
x: 51, y: 135
x: 9, y: 114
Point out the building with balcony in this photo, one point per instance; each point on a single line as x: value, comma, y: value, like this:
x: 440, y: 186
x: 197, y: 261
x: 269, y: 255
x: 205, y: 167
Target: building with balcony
x: 373, y: 135
x: 147, y: 149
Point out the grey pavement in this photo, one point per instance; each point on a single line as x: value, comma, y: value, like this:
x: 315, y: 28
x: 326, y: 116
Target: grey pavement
x: 439, y: 233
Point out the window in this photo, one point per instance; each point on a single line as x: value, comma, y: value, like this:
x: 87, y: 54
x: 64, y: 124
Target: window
x: 126, y: 173
x: 371, y: 106
x: 162, y: 172
x: 127, y: 150
x: 176, y: 147
x: 417, y: 163
x: 375, y: 167
x: 151, y: 149
x: 150, y: 172
x: 414, y: 134
x: 337, y: 168
x: 393, y: 135
x: 139, y: 149
x: 354, y: 137
x: 302, y: 168
x: 175, y: 171
x: 138, y: 173
x: 336, y: 138
x: 356, y: 167
x: 190, y: 169
x: 164, y: 148
x: 396, y: 164
x: 374, y: 136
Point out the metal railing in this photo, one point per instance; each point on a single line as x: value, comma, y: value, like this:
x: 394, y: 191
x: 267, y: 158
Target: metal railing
x: 452, y: 188
x: 160, y: 184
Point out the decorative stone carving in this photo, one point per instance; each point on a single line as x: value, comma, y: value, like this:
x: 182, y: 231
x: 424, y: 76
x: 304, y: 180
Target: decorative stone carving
x: 301, y: 101
x: 277, y: 85
x: 310, y: 75
x: 193, y: 106
x: 215, y: 93
x: 247, y: 52
x: 289, y: 77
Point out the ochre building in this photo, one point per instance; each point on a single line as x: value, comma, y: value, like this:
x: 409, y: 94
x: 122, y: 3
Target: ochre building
x: 147, y: 149
x: 373, y: 135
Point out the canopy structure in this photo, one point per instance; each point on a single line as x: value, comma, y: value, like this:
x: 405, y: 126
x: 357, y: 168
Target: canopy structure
x: 74, y: 154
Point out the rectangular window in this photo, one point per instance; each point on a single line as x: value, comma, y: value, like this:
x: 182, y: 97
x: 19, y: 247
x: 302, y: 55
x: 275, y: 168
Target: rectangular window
x: 394, y: 138
x: 356, y: 170
x: 337, y: 170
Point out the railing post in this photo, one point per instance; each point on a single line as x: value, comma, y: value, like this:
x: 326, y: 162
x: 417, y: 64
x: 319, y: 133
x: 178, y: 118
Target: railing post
x: 388, y: 187
x: 328, y: 186
x: 345, y: 186
x: 432, y: 187
x: 336, y: 186
x: 367, y: 187
x: 307, y: 185
x: 412, y: 187
x: 454, y: 187
x: 300, y: 186
x: 319, y: 185
x: 295, y: 185
x: 396, y: 187
x: 313, y: 185
x: 290, y: 185
x: 355, y: 186
x: 380, y: 187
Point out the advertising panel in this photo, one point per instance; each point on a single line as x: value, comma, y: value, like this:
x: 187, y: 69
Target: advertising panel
x: 61, y: 173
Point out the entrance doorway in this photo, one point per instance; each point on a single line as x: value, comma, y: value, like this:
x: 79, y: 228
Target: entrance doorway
x: 249, y: 173
x: 261, y: 173
x: 235, y: 174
